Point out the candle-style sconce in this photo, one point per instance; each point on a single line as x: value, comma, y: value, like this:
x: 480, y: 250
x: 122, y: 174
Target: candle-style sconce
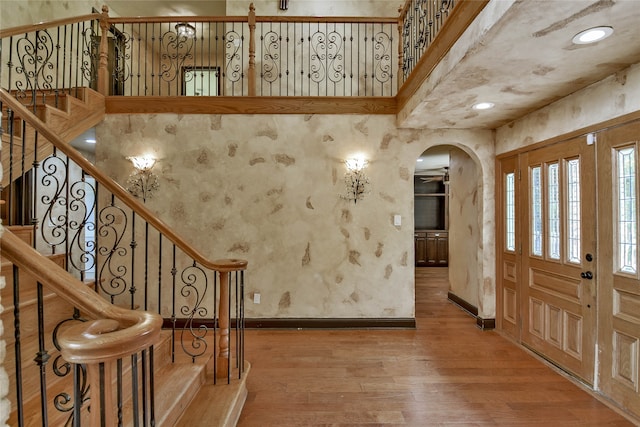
x: 356, y: 181
x: 142, y: 182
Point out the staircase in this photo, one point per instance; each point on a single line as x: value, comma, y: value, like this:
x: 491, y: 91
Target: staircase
x: 186, y: 391
x: 68, y: 114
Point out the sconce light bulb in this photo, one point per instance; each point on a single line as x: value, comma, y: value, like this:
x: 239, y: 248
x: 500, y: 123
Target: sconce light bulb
x: 142, y: 163
x: 356, y: 164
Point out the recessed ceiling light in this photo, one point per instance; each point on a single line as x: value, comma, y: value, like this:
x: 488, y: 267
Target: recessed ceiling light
x: 483, y: 105
x: 592, y: 35
x: 90, y: 141
x: 420, y: 160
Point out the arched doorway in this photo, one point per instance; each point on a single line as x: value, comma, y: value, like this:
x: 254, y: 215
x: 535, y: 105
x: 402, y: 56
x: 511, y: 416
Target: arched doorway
x: 447, y: 220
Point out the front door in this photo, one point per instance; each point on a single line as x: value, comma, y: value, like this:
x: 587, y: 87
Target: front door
x: 558, y: 295
x: 619, y: 266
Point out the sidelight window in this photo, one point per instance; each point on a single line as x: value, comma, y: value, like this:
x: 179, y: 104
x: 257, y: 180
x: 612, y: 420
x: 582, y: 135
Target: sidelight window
x: 510, y: 220
x: 573, y: 211
x: 553, y: 216
x: 627, y: 216
x: 536, y: 211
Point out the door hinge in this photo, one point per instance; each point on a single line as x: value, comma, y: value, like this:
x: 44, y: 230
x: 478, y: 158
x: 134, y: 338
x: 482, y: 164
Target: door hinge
x: 520, y: 249
x: 519, y: 174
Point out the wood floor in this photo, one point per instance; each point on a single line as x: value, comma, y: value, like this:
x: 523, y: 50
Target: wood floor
x: 447, y: 372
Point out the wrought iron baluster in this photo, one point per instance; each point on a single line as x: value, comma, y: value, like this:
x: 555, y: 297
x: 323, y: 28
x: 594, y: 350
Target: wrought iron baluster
x: 42, y: 356
x: 135, y: 390
x: 119, y: 394
x: 17, y: 345
x: 145, y: 403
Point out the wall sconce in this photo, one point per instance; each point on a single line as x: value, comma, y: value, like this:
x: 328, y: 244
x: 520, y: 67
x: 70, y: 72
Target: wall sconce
x: 356, y: 182
x: 142, y: 182
x: 284, y: 4
x: 185, y: 30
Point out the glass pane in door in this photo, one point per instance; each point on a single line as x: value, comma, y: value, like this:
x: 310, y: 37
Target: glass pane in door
x: 627, y: 217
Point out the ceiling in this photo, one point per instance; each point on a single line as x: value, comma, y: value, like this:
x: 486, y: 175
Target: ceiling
x: 522, y: 59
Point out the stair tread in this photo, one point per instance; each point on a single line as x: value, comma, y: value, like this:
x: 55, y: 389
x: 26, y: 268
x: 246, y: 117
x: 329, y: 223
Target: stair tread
x: 175, y: 387
x: 217, y: 405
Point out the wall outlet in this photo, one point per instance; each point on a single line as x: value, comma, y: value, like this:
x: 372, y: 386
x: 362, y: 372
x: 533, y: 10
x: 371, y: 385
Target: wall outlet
x: 397, y: 220
x: 256, y: 298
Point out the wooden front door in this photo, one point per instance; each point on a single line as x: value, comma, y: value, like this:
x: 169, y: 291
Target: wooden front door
x: 619, y: 266
x: 558, y: 223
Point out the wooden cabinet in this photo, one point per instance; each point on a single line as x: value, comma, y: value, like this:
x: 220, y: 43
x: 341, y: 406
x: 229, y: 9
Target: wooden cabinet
x: 421, y: 248
x: 431, y: 248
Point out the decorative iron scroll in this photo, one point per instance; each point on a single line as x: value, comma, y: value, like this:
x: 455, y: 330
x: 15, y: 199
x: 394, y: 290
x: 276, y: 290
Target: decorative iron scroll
x: 193, y: 338
x: 111, y: 276
x: 63, y: 401
x: 176, y: 51
x: 271, y: 41
x: 54, y: 200
x: 233, y: 67
x: 35, y: 64
x: 383, y: 69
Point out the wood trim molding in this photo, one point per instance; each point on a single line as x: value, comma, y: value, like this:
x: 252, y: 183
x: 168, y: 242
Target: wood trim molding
x: 594, y: 128
x: 469, y: 308
x: 249, y: 105
x: 305, y: 323
x: 472, y: 310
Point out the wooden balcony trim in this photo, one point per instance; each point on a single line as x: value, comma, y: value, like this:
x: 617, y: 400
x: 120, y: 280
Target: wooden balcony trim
x: 249, y: 105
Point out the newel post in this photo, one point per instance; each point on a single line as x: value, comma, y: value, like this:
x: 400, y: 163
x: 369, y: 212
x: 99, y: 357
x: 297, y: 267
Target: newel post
x: 225, y: 267
x: 251, y: 75
x: 103, y: 71
x: 223, y: 322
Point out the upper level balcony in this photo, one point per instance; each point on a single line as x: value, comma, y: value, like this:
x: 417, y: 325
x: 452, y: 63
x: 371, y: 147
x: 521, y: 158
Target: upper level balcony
x: 203, y: 64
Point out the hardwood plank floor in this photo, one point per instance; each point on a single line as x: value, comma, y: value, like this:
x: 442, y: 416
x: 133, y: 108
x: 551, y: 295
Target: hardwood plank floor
x: 447, y: 372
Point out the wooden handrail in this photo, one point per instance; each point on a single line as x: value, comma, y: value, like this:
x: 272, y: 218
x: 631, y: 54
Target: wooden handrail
x: 171, y: 19
x: 8, y: 32
x: 330, y: 19
x: 121, y: 332
x: 115, y: 188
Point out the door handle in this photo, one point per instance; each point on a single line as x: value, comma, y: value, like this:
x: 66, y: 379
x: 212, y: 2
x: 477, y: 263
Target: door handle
x: 586, y: 275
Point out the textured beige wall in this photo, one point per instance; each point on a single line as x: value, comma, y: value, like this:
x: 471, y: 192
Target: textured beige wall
x: 266, y: 188
x: 464, y: 229
x: 612, y: 97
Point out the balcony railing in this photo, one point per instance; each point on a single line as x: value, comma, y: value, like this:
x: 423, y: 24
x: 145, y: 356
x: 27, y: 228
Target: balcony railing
x: 221, y: 56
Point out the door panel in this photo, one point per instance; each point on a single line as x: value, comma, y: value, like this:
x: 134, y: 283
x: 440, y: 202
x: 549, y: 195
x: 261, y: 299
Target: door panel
x: 508, y: 311
x: 618, y: 266
x: 557, y: 297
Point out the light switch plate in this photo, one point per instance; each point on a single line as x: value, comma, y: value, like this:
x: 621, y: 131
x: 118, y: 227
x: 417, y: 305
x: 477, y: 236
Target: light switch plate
x: 256, y: 298
x: 397, y: 220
